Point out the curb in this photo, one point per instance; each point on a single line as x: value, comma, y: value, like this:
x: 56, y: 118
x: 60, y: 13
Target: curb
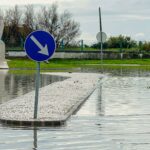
x: 38, y: 123
x: 33, y: 123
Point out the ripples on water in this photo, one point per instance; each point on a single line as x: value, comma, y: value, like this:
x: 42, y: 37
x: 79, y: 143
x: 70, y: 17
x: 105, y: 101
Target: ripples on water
x: 115, y: 117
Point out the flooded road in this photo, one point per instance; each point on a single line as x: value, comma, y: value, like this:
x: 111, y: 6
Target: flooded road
x: 119, y: 117
x: 115, y: 117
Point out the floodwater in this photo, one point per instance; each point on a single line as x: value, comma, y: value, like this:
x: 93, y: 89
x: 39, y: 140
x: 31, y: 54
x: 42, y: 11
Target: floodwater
x: 14, y: 85
x: 115, y: 117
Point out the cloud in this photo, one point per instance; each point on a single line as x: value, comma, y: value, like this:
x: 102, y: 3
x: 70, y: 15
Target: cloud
x: 128, y: 9
x: 134, y: 17
x: 24, y: 2
x: 139, y: 36
x: 88, y: 38
x: 129, y: 17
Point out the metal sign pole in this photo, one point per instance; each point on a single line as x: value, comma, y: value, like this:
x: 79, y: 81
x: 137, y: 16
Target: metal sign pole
x: 101, y: 42
x: 37, y: 90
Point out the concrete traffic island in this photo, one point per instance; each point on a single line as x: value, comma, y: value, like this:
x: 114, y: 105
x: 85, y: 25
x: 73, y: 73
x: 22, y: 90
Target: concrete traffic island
x: 57, y: 101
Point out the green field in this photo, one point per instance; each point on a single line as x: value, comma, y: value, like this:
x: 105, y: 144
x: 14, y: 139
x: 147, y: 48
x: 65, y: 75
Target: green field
x: 77, y: 49
x: 26, y: 66
x: 73, y: 63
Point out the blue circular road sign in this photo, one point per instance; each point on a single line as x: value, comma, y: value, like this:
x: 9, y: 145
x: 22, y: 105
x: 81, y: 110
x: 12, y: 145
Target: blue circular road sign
x: 40, y: 45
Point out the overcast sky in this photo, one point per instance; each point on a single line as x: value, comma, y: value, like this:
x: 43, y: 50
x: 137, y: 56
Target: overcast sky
x: 127, y: 17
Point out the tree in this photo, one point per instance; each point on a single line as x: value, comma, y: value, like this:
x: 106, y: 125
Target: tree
x: 18, y: 25
x: 12, y: 22
x: 121, y: 41
x: 1, y: 24
x: 28, y: 21
x: 117, y: 42
x: 98, y: 45
x: 61, y: 26
x: 144, y: 46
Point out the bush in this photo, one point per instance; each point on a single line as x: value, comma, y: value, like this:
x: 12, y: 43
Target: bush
x: 117, y: 42
x: 145, y: 46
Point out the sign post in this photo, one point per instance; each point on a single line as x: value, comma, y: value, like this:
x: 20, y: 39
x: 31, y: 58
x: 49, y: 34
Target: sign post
x: 100, y: 20
x: 37, y: 86
x: 39, y: 46
x: 101, y: 38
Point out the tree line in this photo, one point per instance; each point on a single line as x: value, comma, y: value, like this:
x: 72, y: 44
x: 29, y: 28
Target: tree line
x: 20, y: 22
x: 123, y: 42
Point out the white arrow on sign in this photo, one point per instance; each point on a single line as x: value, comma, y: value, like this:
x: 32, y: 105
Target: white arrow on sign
x: 43, y: 50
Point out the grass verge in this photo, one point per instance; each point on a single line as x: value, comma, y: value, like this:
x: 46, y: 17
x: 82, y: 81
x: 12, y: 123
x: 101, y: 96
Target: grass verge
x: 72, y: 63
x: 26, y: 66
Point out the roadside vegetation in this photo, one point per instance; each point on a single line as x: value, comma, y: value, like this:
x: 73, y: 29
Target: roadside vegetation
x: 121, y: 44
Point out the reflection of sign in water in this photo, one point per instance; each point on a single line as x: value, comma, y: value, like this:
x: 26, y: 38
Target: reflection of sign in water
x: 35, y: 143
x: 104, y: 37
x: 40, y: 46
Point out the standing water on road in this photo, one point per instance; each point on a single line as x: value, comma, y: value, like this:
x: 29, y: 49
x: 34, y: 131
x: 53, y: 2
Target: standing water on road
x: 115, y: 117
x: 14, y: 85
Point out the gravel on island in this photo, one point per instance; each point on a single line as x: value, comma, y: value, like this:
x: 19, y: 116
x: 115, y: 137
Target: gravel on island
x: 57, y: 101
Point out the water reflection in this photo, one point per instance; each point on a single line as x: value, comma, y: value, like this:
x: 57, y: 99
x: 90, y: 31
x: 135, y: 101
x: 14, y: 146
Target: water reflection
x: 119, y: 96
x: 35, y: 143
x: 94, y: 104
x: 14, y: 85
x: 3, y: 87
x: 138, y: 71
x: 100, y: 102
